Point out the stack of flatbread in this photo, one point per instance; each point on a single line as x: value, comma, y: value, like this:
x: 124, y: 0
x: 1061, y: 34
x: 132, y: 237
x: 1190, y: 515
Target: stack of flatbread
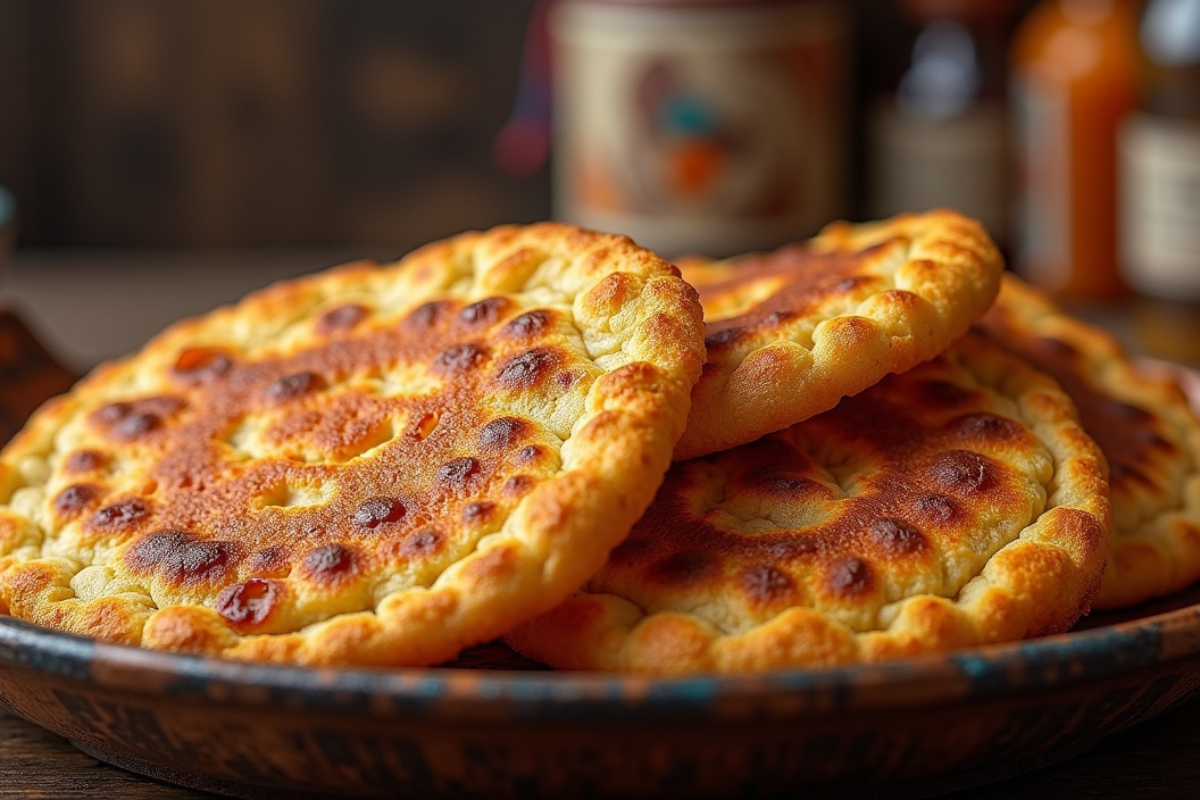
x: 866, y: 446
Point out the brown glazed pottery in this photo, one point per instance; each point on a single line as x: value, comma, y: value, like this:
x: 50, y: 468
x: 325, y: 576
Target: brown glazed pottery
x: 500, y: 727
x: 493, y: 725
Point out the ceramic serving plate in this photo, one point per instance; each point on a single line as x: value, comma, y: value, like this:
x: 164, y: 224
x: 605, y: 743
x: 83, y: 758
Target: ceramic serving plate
x: 494, y: 725
x: 913, y: 726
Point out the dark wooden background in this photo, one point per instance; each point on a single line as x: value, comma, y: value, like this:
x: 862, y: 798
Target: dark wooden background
x: 281, y: 122
x: 289, y: 122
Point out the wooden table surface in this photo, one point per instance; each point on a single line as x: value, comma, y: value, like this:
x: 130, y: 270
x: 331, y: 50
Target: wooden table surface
x: 89, y: 306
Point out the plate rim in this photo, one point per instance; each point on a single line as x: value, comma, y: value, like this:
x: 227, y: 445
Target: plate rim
x: 988, y: 672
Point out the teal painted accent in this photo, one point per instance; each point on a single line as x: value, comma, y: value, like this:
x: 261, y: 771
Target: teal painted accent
x: 694, y: 690
x: 689, y: 114
x: 974, y: 667
x: 1048, y: 662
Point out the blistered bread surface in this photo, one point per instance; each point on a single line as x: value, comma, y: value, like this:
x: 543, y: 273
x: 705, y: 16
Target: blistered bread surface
x: 378, y: 464
x: 789, y: 333
x: 957, y: 504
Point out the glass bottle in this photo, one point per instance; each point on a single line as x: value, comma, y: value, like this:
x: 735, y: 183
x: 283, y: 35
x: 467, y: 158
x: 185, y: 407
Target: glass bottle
x: 941, y: 137
x: 1160, y: 181
x: 1073, y: 67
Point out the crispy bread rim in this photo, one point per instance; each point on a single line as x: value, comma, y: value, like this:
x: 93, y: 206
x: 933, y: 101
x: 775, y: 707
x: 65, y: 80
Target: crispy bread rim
x: 1040, y: 583
x: 1155, y: 551
x: 948, y: 276
x: 629, y: 306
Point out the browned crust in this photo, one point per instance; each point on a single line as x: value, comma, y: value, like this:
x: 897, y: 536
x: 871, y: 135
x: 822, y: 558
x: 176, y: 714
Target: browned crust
x: 641, y: 330
x: 1038, y: 583
x: 929, y: 275
x: 1146, y: 427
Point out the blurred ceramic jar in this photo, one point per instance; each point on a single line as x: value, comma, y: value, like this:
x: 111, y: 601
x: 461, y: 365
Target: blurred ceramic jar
x: 716, y: 127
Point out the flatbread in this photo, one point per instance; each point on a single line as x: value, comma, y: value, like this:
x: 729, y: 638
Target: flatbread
x: 373, y: 465
x: 792, y: 332
x: 1144, y: 424
x: 957, y: 504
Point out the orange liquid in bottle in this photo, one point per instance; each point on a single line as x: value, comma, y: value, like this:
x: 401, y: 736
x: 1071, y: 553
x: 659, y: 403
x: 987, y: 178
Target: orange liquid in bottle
x: 1074, y: 66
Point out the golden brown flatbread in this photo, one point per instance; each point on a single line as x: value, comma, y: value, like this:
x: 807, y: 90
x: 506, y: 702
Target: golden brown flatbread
x: 957, y: 504
x: 1144, y: 425
x: 373, y: 465
x: 792, y: 332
